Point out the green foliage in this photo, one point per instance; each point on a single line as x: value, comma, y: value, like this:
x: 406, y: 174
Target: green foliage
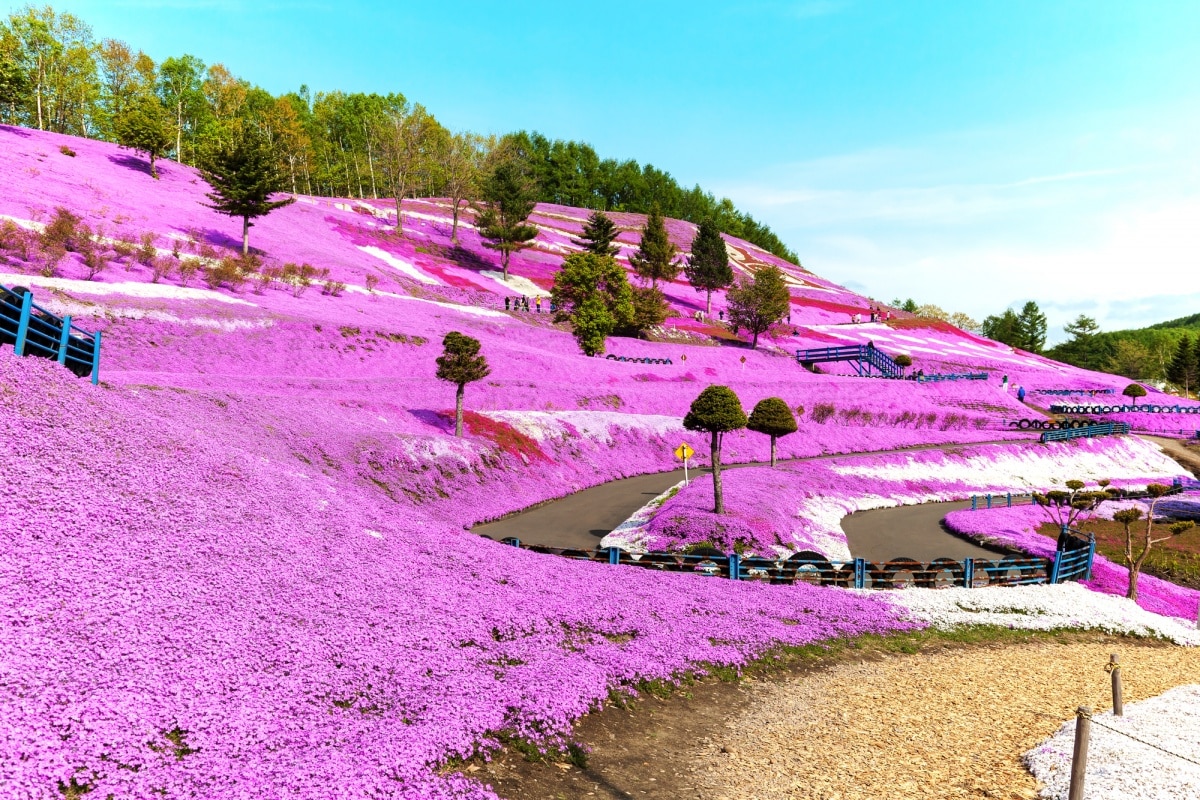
x: 708, y: 267
x: 903, y: 360
x: 1026, y: 330
x: 509, y: 198
x: 592, y: 293
x: 1002, y: 328
x: 758, y: 303
x: 771, y: 416
x: 143, y: 128
x: 654, y: 260
x: 1184, y: 367
x: 649, y: 309
x: 599, y: 232
x: 1134, y: 391
x: 717, y: 409
x: 1083, y: 349
x: 243, y: 178
x: 461, y: 363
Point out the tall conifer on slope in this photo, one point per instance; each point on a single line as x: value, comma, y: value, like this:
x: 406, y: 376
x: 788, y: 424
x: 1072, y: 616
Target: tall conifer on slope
x: 598, y: 235
x: 654, y: 260
x: 509, y: 196
x: 243, y: 178
x: 460, y: 363
x: 1183, y: 367
x: 708, y: 269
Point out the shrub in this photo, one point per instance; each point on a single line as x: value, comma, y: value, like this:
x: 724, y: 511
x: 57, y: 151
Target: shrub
x: 147, y: 251
x: 822, y: 412
x: 124, y: 246
x: 903, y: 360
x: 14, y: 238
x: 299, y: 278
x: 772, y: 417
x: 66, y: 151
x: 161, y: 268
x: 61, y: 232
x: 265, y: 278
x: 372, y: 280
x: 188, y: 267
x: 334, y: 288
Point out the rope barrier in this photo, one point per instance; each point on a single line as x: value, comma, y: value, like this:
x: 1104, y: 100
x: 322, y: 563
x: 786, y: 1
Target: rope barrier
x: 1140, y: 741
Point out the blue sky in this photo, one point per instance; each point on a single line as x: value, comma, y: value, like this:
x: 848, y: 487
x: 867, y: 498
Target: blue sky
x: 970, y: 154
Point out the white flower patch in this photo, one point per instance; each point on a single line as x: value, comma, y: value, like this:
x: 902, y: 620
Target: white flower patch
x: 515, y: 283
x: 595, y: 425
x: 1042, y: 607
x: 1032, y: 468
x: 473, y: 310
x: 397, y: 263
x: 127, y: 288
x: 630, y: 534
x: 1118, y: 766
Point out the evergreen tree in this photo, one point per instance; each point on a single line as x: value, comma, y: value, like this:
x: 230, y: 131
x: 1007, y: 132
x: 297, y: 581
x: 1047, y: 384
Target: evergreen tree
x: 460, y: 363
x: 708, y: 269
x: 717, y: 410
x: 143, y: 128
x: 1004, y: 328
x: 1183, y: 368
x: 509, y: 198
x: 649, y: 309
x: 592, y: 293
x: 1031, y: 328
x: 243, y: 178
x: 1085, y: 348
x: 598, y: 235
x: 771, y: 416
x: 654, y: 260
x: 758, y: 303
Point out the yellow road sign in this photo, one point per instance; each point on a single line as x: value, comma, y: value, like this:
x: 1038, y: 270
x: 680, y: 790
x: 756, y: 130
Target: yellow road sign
x: 684, y: 451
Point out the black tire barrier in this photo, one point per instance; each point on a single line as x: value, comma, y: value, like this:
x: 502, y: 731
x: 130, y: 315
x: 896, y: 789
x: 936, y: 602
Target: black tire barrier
x: 1024, y: 424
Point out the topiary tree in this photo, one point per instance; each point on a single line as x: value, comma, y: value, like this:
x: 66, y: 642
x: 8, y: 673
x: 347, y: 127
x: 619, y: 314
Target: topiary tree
x: 1127, y: 517
x: 243, y: 178
x: 771, y: 416
x: 592, y: 293
x: 1074, y: 504
x: 1133, y: 391
x: 598, y: 235
x: 717, y: 410
x: 903, y: 360
x: 460, y: 363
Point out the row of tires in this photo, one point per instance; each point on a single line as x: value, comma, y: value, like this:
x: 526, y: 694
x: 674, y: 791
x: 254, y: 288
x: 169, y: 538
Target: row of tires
x: 632, y: 360
x: 1146, y: 409
x: 1051, y: 425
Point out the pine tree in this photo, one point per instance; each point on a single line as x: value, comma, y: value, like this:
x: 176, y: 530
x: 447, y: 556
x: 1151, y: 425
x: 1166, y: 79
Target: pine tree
x: 1183, y: 367
x: 771, y: 416
x: 708, y: 269
x: 592, y: 293
x: 144, y: 128
x: 1031, y: 328
x: 460, y: 363
x: 717, y: 410
x: 509, y: 198
x: 654, y: 260
x: 758, y: 303
x: 1003, y: 328
x: 243, y: 178
x: 598, y: 235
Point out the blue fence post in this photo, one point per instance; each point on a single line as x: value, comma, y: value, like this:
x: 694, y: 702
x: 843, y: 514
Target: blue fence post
x: 96, y: 359
x: 860, y: 573
x: 735, y: 567
x: 1091, y: 555
x: 62, y: 341
x: 1054, y: 566
x: 968, y: 573
x: 974, y: 503
x: 614, y: 555
x: 23, y: 324
x: 1010, y: 499
x: 989, y: 501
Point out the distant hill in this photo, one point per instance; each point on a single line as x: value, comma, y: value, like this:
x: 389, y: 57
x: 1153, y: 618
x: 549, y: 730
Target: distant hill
x: 1183, y: 322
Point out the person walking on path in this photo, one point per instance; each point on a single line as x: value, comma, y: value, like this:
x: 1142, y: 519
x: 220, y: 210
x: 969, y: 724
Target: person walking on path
x: 507, y: 303
x: 1021, y: 394
x: 538, y: 303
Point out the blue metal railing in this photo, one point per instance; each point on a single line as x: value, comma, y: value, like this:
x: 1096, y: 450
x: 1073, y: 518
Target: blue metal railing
x: 862, y: 357
x: 1145, y: 408
x: 949, y: 376
x: 34, y: 331
x: 1073, y: 561
x: 1086, y: 432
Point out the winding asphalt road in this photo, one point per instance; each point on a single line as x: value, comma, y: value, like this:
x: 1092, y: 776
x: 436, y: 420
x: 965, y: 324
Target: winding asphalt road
x: 582, y: 519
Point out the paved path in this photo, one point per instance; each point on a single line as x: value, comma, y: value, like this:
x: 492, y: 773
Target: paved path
x: 910, y: 531
x: 582, y: 519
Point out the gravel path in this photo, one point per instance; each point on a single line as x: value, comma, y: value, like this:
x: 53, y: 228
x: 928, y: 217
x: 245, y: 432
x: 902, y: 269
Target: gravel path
x: 948, y: 724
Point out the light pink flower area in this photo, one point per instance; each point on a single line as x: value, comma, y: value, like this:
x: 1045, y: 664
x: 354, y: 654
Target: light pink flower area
x: 238, y: 567
x: 1016, y: 527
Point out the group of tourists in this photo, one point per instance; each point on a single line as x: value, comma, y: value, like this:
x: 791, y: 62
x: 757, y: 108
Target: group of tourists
x: 521, y: 303
x: 877, y: 314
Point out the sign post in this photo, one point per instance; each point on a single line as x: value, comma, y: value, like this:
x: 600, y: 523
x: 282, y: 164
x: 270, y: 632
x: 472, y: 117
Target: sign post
x: 684, y: 452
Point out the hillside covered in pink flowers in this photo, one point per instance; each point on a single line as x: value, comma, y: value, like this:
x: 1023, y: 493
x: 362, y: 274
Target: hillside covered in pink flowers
x: 241, y: 566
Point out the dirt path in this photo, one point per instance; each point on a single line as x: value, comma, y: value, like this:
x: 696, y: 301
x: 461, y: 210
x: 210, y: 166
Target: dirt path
x: 944, y: 725
x: 949, y: 722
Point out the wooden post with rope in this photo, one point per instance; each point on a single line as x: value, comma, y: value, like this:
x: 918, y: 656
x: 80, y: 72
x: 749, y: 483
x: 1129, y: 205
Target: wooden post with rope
x: 1114, y: 669
x: 1083, y: 732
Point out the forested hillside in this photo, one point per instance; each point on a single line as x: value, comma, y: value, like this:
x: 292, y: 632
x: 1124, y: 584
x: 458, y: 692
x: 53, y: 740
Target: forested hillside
x: 55, y: 76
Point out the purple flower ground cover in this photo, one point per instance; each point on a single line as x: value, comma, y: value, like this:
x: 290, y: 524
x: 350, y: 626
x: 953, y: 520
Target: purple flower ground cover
x: 1017, y: 527
x: 238, y: 567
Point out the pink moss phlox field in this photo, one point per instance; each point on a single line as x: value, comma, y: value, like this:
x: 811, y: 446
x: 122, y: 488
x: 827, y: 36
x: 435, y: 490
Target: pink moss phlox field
x: 1016, y: 527
x: 239, y: 564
